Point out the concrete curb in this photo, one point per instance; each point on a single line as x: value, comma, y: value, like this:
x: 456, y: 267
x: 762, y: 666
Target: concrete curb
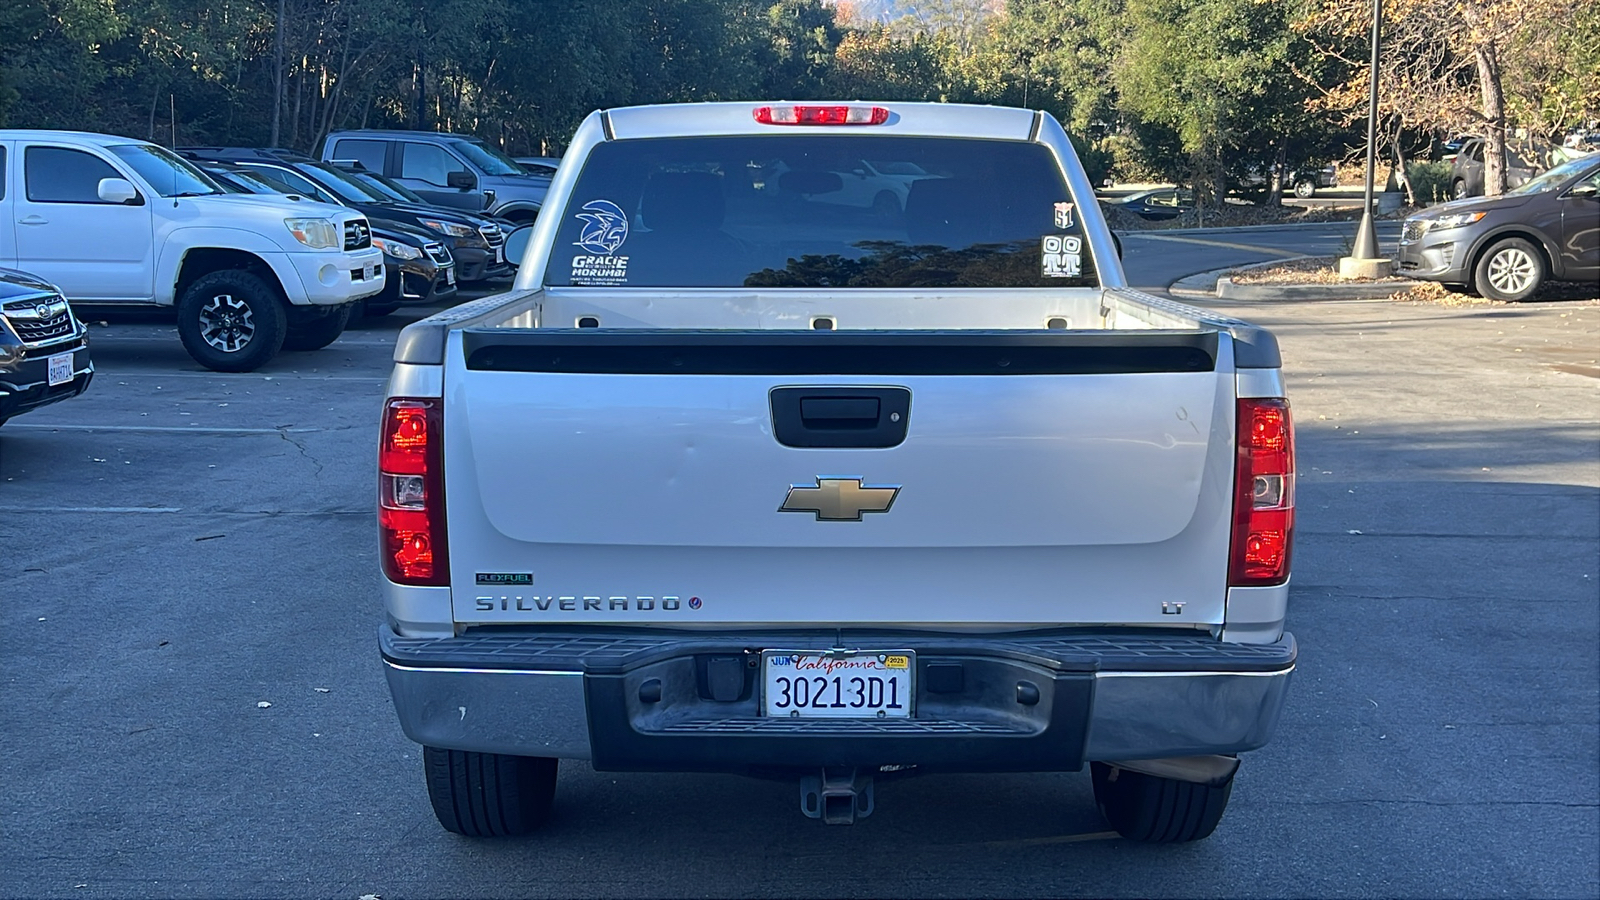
x: 1369, y: 290
x: 1215, y: 285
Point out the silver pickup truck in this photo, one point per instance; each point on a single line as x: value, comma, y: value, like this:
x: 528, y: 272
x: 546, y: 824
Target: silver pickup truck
x: 827, y: 442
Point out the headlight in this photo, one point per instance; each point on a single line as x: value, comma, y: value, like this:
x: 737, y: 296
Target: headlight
x: 451, y: 228
x: 1457, y: 220
x: 318, y: 234
x: 397, y: 249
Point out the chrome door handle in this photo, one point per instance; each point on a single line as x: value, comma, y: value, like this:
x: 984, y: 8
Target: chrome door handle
x: 33, y: 220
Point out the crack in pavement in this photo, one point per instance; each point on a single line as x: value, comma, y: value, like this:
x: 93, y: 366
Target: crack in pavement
x: 284, y: 433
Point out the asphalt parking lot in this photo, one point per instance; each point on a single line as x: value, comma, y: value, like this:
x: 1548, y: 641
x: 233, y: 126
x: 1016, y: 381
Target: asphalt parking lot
x: 184, y: 546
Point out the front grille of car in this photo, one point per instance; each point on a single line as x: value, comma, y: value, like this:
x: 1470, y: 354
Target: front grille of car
x: 1413, y: 232
x: 40, y: 320
x: 492, y: 235
x: 357, y: 235
x: 437, y: 253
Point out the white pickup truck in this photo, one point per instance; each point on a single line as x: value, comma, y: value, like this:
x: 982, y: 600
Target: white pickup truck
x: 740, y: 479
x: 112, y: 220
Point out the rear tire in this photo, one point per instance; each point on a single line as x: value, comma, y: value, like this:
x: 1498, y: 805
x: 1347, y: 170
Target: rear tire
x: 1158, y: 810
x: 317, y: 333
x: 1458, y: 190
x: 231, y: 321
x: 1511, y: 270
x: 1304, y: 189
x: 489, y: 794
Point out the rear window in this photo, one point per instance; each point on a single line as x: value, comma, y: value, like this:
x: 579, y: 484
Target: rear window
x: 820, y: 211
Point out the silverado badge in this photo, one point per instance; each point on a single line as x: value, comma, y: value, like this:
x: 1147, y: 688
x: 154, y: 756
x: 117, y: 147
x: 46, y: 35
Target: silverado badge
x: 839, y: 499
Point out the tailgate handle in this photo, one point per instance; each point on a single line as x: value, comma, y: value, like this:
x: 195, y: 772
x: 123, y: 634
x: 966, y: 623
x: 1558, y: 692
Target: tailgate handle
x: 839, y: 412
x: 828, y: 416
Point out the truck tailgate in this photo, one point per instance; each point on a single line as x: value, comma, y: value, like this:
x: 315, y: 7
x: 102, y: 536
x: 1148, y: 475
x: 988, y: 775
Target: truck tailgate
x: 653, y: 476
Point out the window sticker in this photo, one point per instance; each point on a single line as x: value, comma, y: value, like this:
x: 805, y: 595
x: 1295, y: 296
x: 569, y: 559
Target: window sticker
x: 1063, y: 215
x: 1061, y: 257
x: 605, y: 228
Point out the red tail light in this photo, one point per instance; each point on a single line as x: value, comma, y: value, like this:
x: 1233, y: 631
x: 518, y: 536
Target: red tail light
x: 411, y: 493
x: 1263, y: 498
x: 821, y: 115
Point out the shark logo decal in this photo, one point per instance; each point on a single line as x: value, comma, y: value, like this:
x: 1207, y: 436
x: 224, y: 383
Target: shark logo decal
x: 605, y: 227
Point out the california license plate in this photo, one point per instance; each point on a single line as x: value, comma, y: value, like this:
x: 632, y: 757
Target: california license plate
x: 841, y: 684
x: 60, y: 368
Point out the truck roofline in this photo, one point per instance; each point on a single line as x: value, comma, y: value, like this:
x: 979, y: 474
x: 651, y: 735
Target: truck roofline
x: 905, y: 119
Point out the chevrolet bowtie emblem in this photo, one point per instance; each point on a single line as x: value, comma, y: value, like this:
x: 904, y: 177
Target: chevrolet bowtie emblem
x: 839, y: 499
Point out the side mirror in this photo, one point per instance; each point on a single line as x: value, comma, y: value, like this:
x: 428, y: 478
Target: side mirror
x: 462, y: 181
x: 1584, y: 190
x: 119, y: 190
x: 517, y: 244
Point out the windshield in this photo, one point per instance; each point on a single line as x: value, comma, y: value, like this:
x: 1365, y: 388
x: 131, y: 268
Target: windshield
x: 801, y: 211
x: 1555, y: 177
x: 342, y: 184
x: 487, y: 158
x: 393, y: 190
x: 168, y: 174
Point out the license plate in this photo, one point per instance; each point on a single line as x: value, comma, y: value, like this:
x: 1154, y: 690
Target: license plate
x: 851, y: 684
x: 449, y: 276
x: 60, y: 367
x: 372, y: 272
x: 499, y: 254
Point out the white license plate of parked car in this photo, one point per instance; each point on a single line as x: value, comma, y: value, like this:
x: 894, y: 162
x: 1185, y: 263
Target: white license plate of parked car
x: 60, y: 367
x: 841, y: 684
x: 449, y: 276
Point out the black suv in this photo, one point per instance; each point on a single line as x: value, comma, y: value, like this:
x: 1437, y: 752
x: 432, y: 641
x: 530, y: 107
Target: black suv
x: 44, y: 349
x: 1505, y: 247
x: 476, y: 241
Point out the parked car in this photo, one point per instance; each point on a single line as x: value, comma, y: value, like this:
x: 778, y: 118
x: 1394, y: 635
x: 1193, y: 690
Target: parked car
x: 544, y: 166
x: 1157, y: 204
x: 1467, y: 169
x: 1302, y: 181
x: 44, y: 349
x: 1547, y: 228
x: 476, y: 242
x: 454, y: 170
x: 418, y: 268
x: 111, y: 220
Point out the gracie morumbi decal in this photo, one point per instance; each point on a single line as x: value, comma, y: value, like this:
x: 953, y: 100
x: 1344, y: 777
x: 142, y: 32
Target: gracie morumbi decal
x: 605, y: 227
x: 1062, y: 256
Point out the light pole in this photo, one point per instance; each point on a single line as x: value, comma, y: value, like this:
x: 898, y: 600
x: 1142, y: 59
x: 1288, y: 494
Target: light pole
x: 1366, y: 246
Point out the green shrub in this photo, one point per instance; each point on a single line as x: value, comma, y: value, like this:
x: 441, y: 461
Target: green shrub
x: 1430, y: 182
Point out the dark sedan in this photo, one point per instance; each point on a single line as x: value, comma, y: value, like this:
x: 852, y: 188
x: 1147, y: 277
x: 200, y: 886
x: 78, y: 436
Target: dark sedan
x: 44, y: 349
x: 1505, y: 247
x: 1161, y: 203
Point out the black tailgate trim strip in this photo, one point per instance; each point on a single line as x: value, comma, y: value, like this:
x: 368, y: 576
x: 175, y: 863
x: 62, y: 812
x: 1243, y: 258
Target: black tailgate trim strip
x: 901, y: 353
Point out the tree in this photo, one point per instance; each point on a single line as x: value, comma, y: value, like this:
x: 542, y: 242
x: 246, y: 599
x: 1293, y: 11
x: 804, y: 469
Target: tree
x: 1219, y: 74
x: 1443, y: 65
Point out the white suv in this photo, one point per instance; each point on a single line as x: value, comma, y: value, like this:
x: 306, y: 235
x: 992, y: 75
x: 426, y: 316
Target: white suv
x: 113, y: 220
